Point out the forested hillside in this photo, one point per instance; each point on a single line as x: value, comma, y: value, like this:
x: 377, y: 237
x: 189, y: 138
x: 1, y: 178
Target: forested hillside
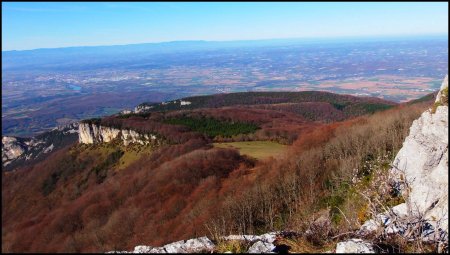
x: 107, y: 196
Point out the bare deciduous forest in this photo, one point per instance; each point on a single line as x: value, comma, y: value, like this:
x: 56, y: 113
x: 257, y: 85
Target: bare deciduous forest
x: 80, y: 202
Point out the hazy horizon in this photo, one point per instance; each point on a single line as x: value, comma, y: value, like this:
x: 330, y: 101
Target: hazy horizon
x: 299, y: 39
x: 27, y: 26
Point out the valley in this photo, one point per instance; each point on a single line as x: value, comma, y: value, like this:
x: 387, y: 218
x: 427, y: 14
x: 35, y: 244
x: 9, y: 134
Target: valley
x: 45, y: 88
x: 224, y: 127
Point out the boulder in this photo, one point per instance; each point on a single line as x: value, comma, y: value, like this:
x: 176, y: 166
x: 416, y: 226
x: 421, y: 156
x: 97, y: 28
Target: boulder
x: 191, y: 245
x: 268, y: 237
x: 354, y: 246
x: 261, y: 247
x: 142, y: 249
x: 199, y: 244
x: 158, y: 250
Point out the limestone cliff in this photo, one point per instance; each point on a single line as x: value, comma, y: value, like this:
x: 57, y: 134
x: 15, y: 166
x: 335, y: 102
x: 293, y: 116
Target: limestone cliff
x: 12, y: 148
x: 90, y: 133
x: 17, y: 151
x: 422, y: 164
x: 420, y: 174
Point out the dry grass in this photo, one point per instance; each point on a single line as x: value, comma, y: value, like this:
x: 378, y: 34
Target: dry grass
x: 235, y: 246
x: 301, y: 245
x: 255, y: 149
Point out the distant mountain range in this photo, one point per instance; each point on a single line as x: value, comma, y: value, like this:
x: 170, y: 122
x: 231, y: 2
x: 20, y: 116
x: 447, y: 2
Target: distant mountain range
x: 59, y: 57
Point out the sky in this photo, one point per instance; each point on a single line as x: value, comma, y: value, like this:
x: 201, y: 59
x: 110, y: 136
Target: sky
x: 31, y: 25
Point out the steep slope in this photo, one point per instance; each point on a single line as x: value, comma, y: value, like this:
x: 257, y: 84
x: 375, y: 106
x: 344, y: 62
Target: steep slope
x: 422, y: 163
x: 419, y: 174
x: 419, y: 171
x: 108, y: 196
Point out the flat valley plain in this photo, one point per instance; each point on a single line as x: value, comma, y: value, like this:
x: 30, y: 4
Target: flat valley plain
x: 45, y: 88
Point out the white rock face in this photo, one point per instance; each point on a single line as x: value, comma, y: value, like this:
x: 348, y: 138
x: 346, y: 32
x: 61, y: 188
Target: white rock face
x: 142, y: 249
x: 91, y: 133
x: 191, y: 245
x: 261, y: 247
x: 158, y: 250
x: 17, y: 149
x: 354, y: 246
x: 49, y: 148
x: 423, y: 164
x: 420, y: 171
x: 248, y: 238
x: 142, y: 108
x: 382, y: 220
x: 443, y: 86
x: 194, y: 245
x: 199, y: 244
x: 261, y: 244
x: 175, y: 247
x: 267, y: 238
x: 14, y: 148
x: 11, y: 149
x: 125, y: 111
x: 184, y: 102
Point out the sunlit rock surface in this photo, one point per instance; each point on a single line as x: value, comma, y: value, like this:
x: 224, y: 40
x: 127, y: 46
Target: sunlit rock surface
x: 92, y: 133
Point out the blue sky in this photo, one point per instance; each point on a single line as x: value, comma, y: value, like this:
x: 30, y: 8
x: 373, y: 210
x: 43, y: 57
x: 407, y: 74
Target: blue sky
x: 62, y: 24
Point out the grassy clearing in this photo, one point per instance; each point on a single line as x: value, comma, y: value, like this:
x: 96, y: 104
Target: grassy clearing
x: 130, y: 153
x: 255, y: 149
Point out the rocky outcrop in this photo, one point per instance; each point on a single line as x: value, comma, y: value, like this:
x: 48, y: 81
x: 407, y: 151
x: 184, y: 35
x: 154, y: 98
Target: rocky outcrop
x: 142, y: 108
x: 90, y: 133
x: 261, y: 247
x: 442, y: 96
x: 12, y: 148
x: 354, y: 246
x: 266, y: 238
x: 175, y: 104
x: 420, y: 168
x: 201, y: 244
x: 259, y: 244
x: 17, y: 150
x: 184, y: 103
x: 420, y: 174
